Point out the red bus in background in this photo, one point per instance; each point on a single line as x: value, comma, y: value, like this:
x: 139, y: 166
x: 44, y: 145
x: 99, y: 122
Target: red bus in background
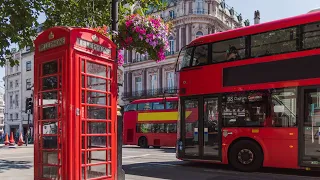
x: 257, y: 94
x: 151, y: 122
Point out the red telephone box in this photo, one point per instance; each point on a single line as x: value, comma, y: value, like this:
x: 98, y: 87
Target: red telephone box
x: 75, y: 105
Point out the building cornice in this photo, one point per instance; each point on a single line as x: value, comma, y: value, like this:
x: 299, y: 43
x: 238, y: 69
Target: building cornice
x: 200, y: 19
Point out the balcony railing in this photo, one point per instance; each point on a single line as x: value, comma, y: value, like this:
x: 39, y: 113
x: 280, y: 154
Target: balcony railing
x: 149, y: 93
x: 199, y: 11
x: 145, y: 58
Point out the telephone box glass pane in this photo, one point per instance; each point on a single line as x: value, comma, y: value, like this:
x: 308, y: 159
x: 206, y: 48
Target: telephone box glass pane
x: 95, y: 157
x: 49, y: 98
x: 49, y: 127
x: 96, y: 112
x: 50, y: 142
x: 96, y: 171
x: 109, y: 100
x: 109, y: 72
x: 96, y: 98
x: 96, y: 83
x: 109, y: 169
x: 50, y: 68
x: 97, y: 128
x: 50, y: 83
x: 50, y: 157
x: 96, y: 142
x: 82, y: 66
x: 96, y: 69
x: 109, y: 86
x: 49, y: 112
x: 83, y: 84
x: 51, y: 172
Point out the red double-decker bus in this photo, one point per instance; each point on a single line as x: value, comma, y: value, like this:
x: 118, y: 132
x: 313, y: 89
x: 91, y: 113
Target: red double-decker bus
x: 151, y: 122
x: 257, y: 91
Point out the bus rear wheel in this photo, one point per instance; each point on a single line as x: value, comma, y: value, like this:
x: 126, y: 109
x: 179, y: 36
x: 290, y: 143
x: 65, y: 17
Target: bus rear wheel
x: 246, y: 155
x: 143, y: 142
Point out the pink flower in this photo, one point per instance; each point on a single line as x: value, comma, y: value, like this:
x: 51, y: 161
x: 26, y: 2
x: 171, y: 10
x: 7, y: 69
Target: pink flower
x: 128, y: 23
x: 120, y: 58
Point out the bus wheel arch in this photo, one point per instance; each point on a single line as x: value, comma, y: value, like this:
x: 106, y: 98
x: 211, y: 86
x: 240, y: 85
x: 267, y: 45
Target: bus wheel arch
x: 143, y: 142
x: 246, y: 154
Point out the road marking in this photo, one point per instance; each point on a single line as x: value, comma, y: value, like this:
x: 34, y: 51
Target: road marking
x: 15, y: 157
x: 127, y: 157
x: 149, y: 163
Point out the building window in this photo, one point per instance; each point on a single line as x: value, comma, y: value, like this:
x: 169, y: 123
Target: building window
x: 171, y: 44
x: 11, y: 102
x: 153, y: 84
x: 138, y: 57
x: 11, y: 69
x: 17, y: 100
x: 17, y: 68
x: 28, y: 65
x: 138, y: 84
x: 199, y: 7
x: 171, y: 14
x: 17, y: 116
x: 11, y: 117
x: 11, y: 84
x: 170, y: 81
x: 17, y: 83
x: 1, y: 120
x: 28, y: 83
x: 1, y: 111
x: 199, y: 34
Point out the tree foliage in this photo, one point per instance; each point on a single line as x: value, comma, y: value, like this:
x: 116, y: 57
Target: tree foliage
x: 18, y: 18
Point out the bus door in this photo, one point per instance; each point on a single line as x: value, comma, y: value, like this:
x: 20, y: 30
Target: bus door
x: 309, y: 127
x: 201, y: 130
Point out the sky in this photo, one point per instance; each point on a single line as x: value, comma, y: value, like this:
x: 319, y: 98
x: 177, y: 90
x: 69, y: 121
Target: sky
x: 269, y: 10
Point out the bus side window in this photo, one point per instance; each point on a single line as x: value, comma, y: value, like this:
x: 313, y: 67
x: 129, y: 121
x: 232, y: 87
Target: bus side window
x: 131, y: 107
x: 144, y: 106
x: 228, y: 50
x: 200, y: 56
x: 158, y: 106
x: 172, y: 105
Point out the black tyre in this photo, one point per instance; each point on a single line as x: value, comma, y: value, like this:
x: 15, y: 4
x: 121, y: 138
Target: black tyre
x: 143, y: 142
x: 246, y: 155
x: 156, y: 147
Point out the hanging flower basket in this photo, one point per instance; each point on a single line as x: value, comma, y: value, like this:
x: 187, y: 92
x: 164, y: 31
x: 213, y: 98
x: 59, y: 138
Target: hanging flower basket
x: 104, y: 31
x: 145, y: 34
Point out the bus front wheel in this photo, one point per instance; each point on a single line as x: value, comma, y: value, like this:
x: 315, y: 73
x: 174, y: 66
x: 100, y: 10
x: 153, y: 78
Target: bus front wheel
x: 246, y: 155
x: 143, y: 142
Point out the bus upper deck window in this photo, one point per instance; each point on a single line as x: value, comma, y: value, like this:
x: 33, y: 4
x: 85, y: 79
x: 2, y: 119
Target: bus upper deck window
x: 131, y: 107
x: 200, y: 56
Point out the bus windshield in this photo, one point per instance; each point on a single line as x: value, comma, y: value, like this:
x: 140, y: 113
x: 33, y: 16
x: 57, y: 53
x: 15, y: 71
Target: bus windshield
x: 184, y: 58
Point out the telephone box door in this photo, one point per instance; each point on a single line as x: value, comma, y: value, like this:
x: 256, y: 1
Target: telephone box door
x: 48, y: 119
x: 97, y: 121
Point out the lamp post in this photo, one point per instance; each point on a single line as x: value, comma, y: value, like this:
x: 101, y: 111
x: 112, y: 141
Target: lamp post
x: 114, y: 28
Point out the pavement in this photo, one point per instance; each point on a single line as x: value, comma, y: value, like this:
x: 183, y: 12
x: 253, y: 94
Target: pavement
x: 151, y: 164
